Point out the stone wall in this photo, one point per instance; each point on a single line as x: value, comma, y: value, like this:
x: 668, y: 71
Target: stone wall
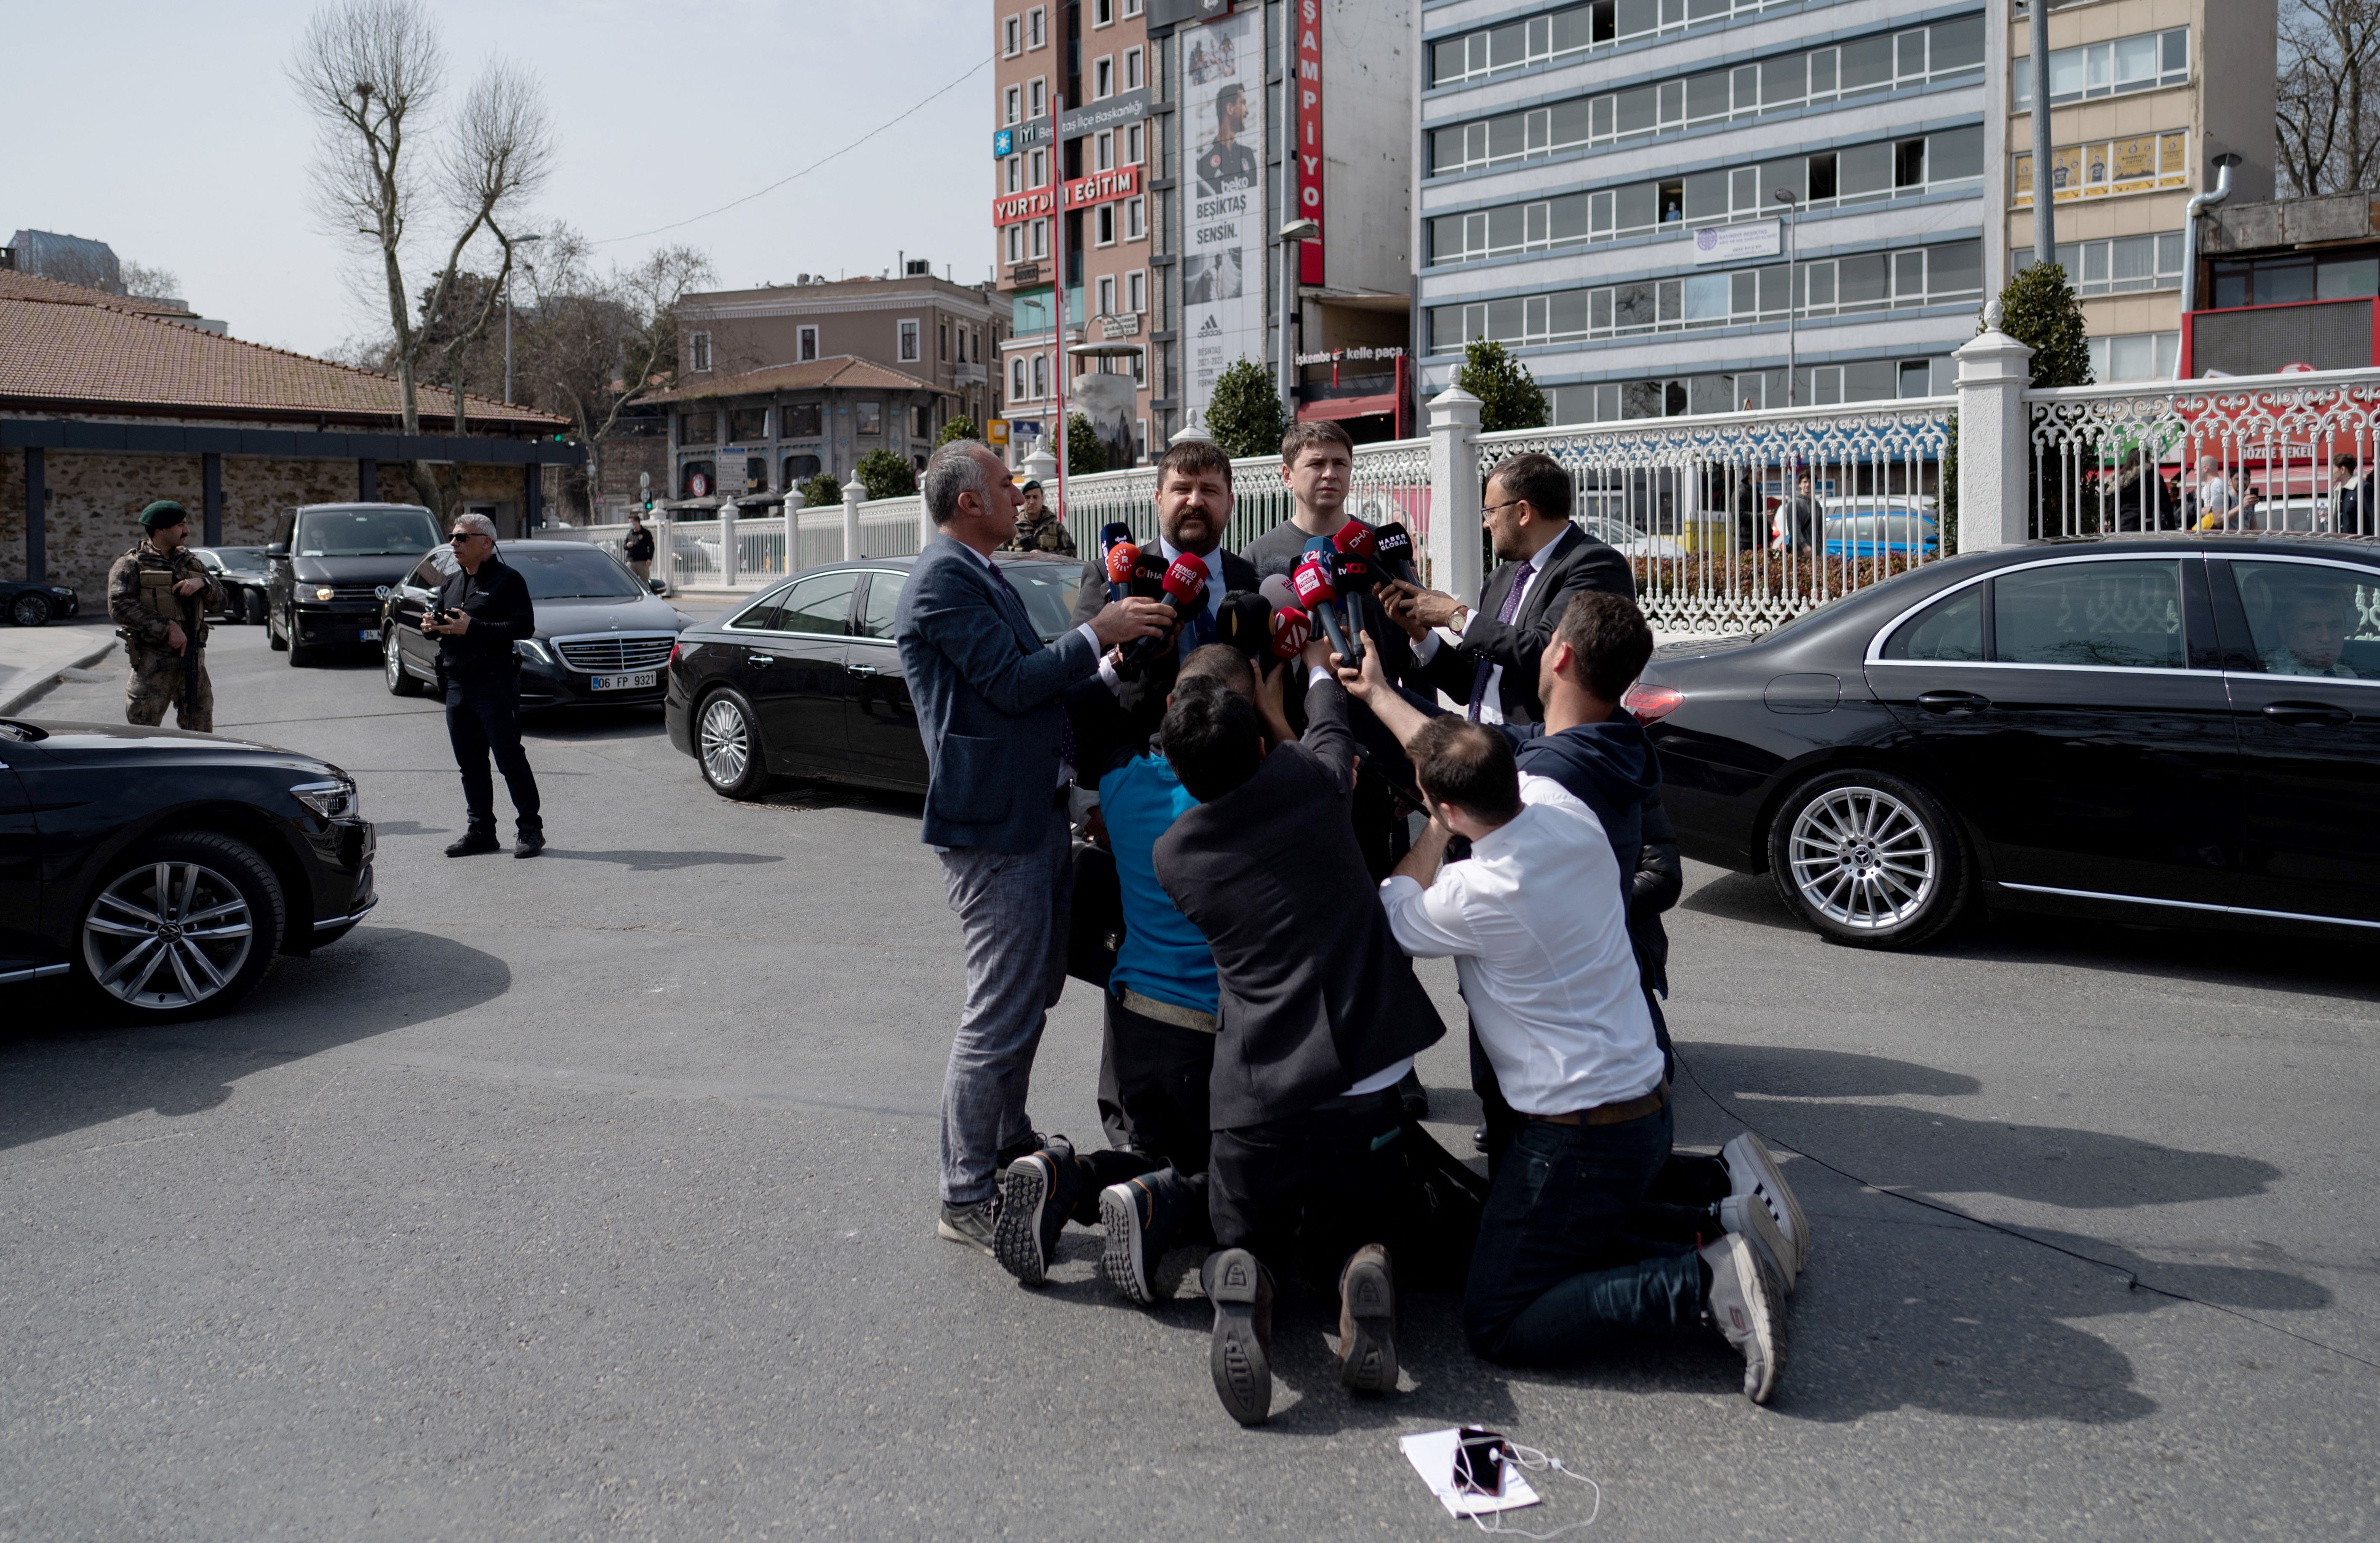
x: 95, y: 497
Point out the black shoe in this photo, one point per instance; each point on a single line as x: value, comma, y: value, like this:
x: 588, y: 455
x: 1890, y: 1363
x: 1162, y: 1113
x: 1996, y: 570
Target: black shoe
x: 1241, y: 1357
x: 528, y: 843
x: 1368, y: 1322
x: 1413, y: 1097
x: 1036, y: 1196
x: 1033, y: 1142
x: 473, y: 844
x: 1142, y: 1217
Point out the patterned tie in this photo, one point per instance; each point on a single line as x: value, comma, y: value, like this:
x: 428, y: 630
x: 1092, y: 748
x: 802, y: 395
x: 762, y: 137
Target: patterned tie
x: 1505, y: 613
x: 1066, y: 724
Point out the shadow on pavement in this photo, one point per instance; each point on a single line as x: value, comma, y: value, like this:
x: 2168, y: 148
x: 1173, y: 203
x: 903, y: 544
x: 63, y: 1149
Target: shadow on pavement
x: 60, y: 1073
x: 666, y: 862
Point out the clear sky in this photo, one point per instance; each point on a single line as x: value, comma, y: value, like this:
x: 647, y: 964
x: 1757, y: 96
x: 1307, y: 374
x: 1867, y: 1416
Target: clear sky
x: 171, y: 132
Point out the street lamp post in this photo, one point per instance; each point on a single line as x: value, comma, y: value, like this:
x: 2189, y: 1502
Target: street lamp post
x: 1785, y: 196
x: 1293, y: 235
x: 518, y: 241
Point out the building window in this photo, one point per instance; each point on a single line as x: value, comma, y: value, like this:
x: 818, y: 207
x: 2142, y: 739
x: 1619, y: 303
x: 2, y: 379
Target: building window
x: 944, y: 330
x: 1012, y: 105
x: 1132, y: 7
x: 1040, y: 238
x: 1140, y: 367
x: 2133, y: 356
x: 1135, y: 291
x: 1015, y: 243
x: 1105, y: 225
x: 1037, y: 168
x: 920, y: 425
x: 2140, y: 63
x: 1107, y: 294
x: 1011, y: 39
x: 908, y: 334
x: 1102, y: 13
x: 1133, y: 80
x: 800, y: 421
x: 867, y: 418
x: 1103, y: 150
x: 806, y: 345
x: 2141, y: 164
x: 1135, y: 218
x: 1037, y: 92
x: 1132, y: 143
x: 697, y: 428
x: 1103, y: 79
x: 699, y: 348
x: 1041, y: 376
x: 1037, y: 32
x: 2122, y: 266
x: 800, y: 469
x: 1140, y: 437
x: 1016, y: 379
x: 1012, y: 173
x: 746, y: 424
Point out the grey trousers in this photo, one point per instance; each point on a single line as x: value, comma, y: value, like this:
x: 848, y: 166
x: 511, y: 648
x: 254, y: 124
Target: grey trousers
x: 1012, y: 911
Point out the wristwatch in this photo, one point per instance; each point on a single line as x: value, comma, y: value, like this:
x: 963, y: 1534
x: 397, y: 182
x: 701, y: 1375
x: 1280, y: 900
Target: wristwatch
x: 1460, y: 619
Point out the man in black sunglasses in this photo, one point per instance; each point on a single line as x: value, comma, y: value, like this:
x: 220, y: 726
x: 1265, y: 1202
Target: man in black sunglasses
x: 482, y: 609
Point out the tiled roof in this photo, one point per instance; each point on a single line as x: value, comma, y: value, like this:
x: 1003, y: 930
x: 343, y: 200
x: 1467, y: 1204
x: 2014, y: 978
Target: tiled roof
x: 63, y: 347
x: 32, y: 286
x: 841, y: 371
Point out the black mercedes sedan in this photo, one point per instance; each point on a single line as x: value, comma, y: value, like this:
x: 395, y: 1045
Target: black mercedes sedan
x: 805, y: 682
x: 245, y: 575
x: 602, y: 636
x: 164, y: 870
x: 2167, y: 729
x: 34, y: 602
x: 330, y: 563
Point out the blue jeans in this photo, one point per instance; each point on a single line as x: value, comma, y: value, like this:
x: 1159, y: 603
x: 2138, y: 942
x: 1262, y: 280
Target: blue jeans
x: 1012, y: 909
x: 1558, y: 1275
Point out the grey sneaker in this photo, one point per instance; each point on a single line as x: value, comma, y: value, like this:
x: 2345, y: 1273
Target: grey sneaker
x: 1751, y: 1171
x: 971, y: 1224
x: 1748, y: 1218
x: 1746, y: 1304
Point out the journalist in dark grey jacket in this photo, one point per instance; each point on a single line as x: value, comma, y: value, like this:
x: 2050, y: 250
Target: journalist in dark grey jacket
x: 988, y: 696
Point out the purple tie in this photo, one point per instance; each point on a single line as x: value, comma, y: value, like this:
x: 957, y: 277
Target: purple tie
x: 1505, y: 613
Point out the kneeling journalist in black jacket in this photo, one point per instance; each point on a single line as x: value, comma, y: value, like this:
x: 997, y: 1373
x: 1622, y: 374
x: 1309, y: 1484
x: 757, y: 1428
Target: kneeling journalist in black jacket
x: 482, y: 611
x: 1318, y: 1014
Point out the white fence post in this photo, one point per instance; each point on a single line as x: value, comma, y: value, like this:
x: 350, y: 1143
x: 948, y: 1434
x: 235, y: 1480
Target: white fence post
x: 728, y: 556
x: 793, y: 512
x: 1451, y: 549
x: 665, y: 550
x: 1994, y: 501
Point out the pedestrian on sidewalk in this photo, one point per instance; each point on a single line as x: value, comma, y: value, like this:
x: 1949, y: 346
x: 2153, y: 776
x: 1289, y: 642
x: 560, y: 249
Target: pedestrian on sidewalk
x: 482, y: 611
x: 636, y: 546
x: 158, y: 594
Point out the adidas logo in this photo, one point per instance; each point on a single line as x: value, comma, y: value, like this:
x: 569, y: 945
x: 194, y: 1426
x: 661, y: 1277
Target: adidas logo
x: 1209, y: 327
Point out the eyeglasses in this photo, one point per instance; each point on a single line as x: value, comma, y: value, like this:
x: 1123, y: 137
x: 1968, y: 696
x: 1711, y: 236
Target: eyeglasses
x: 1508, y: 504
x: 459, y: 537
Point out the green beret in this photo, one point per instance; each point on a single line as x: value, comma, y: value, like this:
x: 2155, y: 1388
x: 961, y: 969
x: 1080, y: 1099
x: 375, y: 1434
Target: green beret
x: 163, y: 512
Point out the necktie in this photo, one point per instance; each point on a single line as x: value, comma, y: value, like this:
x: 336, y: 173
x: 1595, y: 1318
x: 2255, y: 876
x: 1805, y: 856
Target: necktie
x: 1505, y: 613
x: 1066, y: 724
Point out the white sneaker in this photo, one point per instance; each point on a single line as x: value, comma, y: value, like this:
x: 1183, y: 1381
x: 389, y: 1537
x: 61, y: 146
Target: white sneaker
x: 1748, y: 1218
x: 1746, y: 1304
x: 1751, y: 1171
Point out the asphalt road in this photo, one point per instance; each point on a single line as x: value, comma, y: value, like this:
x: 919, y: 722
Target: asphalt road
x: 593, y: 1196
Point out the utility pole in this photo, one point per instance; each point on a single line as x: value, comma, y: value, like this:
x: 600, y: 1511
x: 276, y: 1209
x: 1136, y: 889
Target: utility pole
x: 518, y: 241
x: 2045, y: 196
x: 1792, y: 357
x: 1286, y: 136
x: 1058, y: 294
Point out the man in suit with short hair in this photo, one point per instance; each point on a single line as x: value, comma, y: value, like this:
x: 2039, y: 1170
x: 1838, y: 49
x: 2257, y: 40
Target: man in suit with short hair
x: 1193, y: 504
x: 1543, y: 560
x: 986, y: 692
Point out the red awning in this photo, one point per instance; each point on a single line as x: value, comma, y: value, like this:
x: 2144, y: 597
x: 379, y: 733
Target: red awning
x: 1348, y: 406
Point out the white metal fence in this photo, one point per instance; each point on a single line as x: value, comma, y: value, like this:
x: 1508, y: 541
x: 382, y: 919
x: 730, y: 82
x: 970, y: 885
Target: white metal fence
x: 693, y: 553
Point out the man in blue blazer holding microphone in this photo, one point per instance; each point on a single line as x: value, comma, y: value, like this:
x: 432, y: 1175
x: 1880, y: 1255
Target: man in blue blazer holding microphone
x: 989, y: 699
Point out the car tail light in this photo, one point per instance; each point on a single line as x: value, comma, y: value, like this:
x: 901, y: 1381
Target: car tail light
x: 1650, y: 703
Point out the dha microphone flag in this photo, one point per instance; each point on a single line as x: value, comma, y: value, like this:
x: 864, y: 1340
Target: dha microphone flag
x: 1355, y: 538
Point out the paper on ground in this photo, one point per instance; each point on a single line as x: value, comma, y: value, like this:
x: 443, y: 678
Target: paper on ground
x: 1432, y: 1454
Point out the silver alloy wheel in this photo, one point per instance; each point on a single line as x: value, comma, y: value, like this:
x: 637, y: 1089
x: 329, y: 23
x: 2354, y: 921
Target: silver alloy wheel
x: 167, y: 934
x: 726, y: 742
x: 392, y: 663
x: 1861, y: 858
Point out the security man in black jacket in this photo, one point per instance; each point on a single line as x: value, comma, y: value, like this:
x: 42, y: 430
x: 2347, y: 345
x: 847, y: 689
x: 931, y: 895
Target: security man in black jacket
x: 481, y: 612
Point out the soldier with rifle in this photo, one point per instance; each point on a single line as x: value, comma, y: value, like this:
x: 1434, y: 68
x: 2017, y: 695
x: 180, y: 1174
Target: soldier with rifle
x: 158, y: 595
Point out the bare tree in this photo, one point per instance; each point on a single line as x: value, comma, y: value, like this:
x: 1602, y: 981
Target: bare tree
x: 149, y: 284
x: 2326, y: 102
x: 595, y: 345
x: 372, y: 71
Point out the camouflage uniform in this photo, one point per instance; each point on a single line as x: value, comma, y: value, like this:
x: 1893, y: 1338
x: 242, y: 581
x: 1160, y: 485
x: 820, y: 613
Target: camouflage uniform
x: 1049, y: 535
x: 141, y: 600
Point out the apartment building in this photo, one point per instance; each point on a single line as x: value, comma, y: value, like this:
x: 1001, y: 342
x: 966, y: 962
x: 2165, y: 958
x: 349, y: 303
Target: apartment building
x: 1080, y: 186
x: 1674, y: 206
x: 778, y: 384
x: 2144, y: 96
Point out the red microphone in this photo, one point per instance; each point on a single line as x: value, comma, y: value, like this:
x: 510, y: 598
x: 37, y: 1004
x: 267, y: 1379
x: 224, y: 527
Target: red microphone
x: 1185, y: 590
x: 1291, y: 628
x: 1355, y: 538
x: 1316, y: 592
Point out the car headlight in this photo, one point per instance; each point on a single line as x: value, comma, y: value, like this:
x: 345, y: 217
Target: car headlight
x: 336, y: 799
x: 325, y: 592
x: 61, y: 591
x: 530, y: 648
